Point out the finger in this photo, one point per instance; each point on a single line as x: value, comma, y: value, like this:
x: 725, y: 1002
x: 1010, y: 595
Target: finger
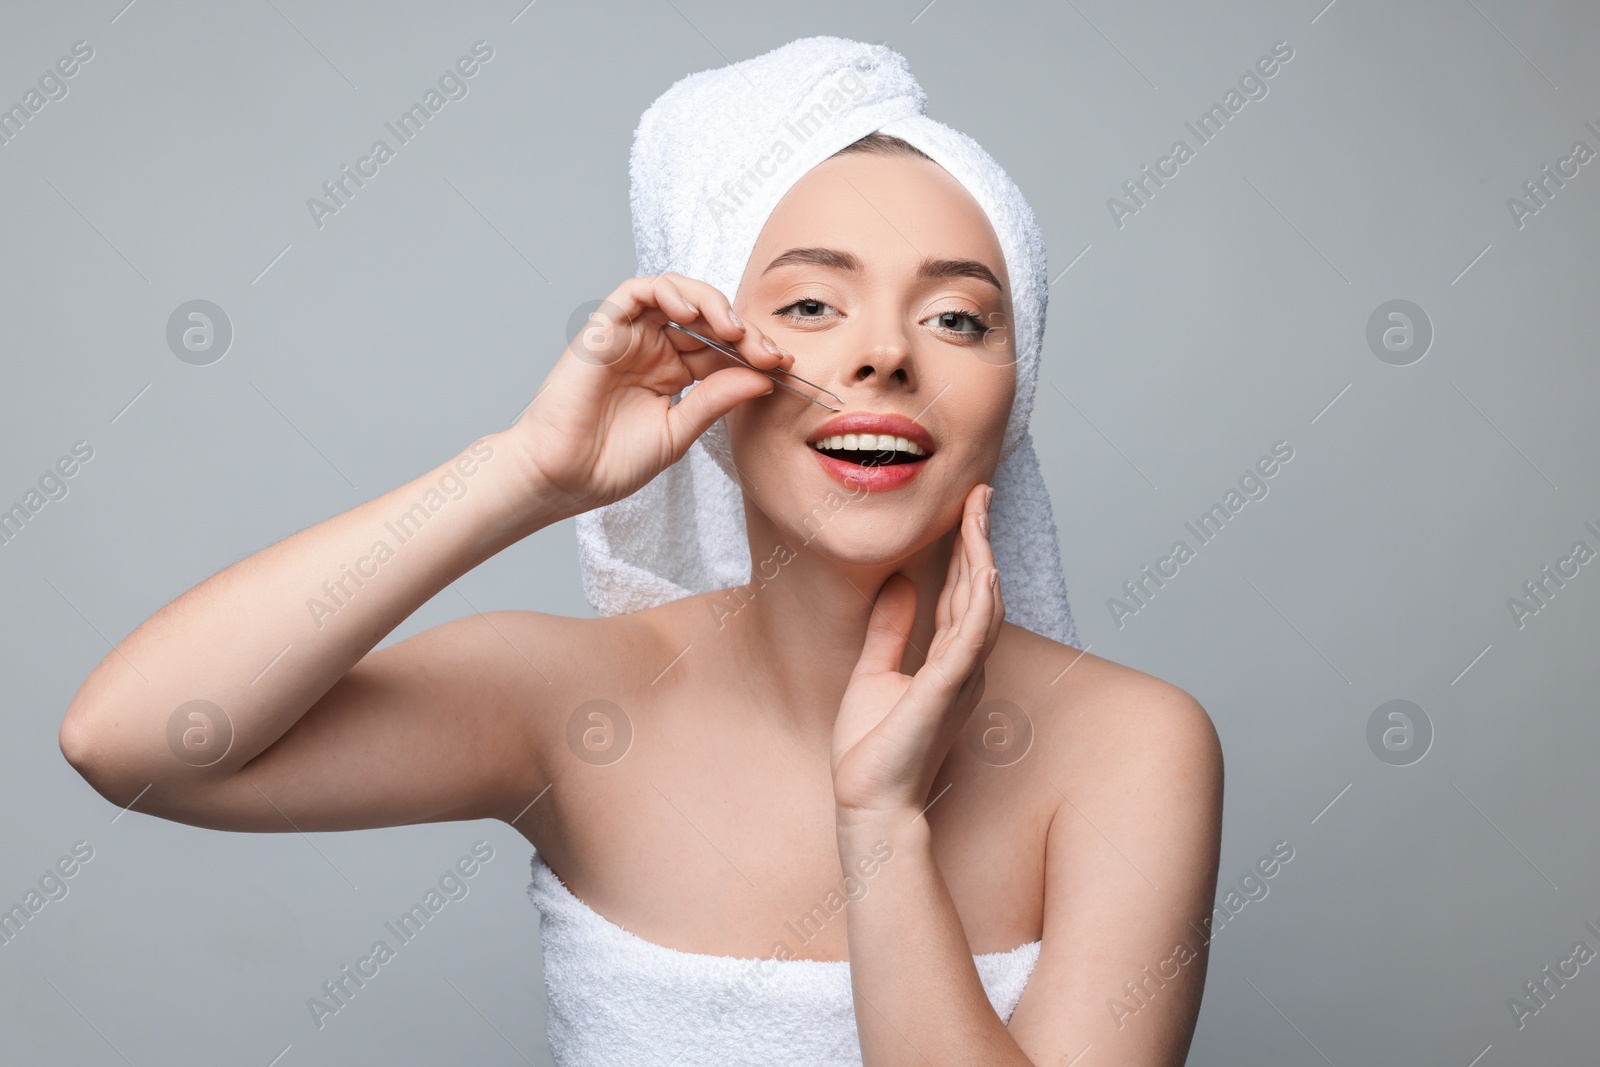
x: 707, y: 402
x: 968, y: 645
x: 645, y: 306
x: 997, y: 608
x: 947, y: 674
x: 961, y: 594
x: 942, y: 616
x: 993, y: 614
x: 971, y: 691
x: 702, y: 360
x: 976, y: 560
x: 948, y: 612
x: 725, y: 324
x: 963, y: 590
x: 609, y: 336
x: 622, y: 333
x: 639, y: 308
x: 974, y: 540
x: 671, y: 299
x: 996, y: 618
x: 889, y: 628
x: 991, y: 608
x: 983, y: 550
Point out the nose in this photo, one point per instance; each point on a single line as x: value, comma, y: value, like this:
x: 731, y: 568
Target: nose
x: 887, y: 359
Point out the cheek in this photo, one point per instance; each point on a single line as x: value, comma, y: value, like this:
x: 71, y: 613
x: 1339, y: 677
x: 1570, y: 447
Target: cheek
x: 752, y: 435
x: 1006, y: 394
x: 986, y: 393
x: 986, y: 400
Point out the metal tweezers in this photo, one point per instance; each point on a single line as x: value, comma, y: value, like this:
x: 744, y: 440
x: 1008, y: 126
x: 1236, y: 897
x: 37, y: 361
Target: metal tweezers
x: 732, y: 353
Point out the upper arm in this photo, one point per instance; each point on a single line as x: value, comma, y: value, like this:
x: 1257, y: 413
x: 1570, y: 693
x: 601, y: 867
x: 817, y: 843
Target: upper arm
x: 434, y: 728
x: 1130, y: 874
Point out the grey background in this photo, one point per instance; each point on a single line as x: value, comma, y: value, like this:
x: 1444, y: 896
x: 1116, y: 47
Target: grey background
x: 1229, y: 313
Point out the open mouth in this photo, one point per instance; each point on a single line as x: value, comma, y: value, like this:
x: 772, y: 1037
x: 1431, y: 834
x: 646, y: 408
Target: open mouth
x: 870, y: 450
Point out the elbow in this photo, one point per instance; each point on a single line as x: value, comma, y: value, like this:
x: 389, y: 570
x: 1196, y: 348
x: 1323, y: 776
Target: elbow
x: 107, y: 751
x: 77, y: 740
x: 84, y: 745
x: 88, y: 726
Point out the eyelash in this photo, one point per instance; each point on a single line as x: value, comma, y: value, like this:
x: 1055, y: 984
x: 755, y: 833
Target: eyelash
x: 971, y: 316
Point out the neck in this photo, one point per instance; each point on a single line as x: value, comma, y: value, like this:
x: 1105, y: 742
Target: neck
x: 802, y: 619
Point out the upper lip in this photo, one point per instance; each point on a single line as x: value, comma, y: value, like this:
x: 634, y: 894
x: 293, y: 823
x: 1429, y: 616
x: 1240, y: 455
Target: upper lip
x: 875, y: 423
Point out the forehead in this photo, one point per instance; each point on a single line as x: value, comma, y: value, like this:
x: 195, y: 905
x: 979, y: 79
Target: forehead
x: 886, y: 209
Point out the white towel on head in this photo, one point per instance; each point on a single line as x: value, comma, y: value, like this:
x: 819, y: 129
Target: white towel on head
x: 712, y: 156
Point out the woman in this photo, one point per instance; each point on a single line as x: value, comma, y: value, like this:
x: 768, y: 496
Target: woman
x: 705, y: 770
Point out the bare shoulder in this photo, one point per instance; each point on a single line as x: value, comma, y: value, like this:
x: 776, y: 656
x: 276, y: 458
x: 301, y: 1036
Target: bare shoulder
x: 1130, y: 856
x: 1107, y: 722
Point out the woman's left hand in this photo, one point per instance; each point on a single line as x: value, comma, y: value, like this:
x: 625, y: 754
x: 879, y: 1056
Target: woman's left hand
x: 894, y: 730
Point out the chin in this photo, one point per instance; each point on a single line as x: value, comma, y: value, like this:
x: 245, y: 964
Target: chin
x: 859, y: 532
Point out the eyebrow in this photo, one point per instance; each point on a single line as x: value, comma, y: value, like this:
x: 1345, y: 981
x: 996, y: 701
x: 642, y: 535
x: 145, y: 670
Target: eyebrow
x: 930, y: 267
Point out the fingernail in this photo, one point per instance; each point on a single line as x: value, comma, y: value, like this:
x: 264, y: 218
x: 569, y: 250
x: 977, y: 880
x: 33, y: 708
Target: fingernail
x: 983, y: 524
x: 994, y: 576
x: 694, y: 312
x: 737, y: 321
x: 988, y: 497
x: 774, y: 349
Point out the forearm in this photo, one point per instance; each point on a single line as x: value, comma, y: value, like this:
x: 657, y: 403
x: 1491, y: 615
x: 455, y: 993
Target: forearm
x: 918, y: 997
x: 265, y: 638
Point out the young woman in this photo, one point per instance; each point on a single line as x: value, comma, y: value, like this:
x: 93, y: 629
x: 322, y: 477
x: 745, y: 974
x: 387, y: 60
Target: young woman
x: 814, y: 737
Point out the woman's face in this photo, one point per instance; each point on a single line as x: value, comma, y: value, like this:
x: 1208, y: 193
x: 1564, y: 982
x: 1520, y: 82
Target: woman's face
x: 885, y: 279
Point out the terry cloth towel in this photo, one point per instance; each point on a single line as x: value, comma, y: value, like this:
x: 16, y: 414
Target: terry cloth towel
x: 614, y: 999
x: 711, y: 158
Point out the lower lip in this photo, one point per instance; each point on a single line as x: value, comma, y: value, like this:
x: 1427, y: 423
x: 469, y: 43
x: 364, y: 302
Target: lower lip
x: 872, y: 479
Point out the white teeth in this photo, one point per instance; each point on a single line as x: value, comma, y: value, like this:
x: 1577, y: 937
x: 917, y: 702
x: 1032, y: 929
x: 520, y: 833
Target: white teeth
x: 867, y: 442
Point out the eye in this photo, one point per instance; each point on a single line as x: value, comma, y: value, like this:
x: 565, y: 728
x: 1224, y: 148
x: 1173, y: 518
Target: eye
x: 810, y: 306
x: 948, y: 320
x: 958, y: 321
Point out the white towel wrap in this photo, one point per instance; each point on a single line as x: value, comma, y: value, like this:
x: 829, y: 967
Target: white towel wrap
x: 614, y: 999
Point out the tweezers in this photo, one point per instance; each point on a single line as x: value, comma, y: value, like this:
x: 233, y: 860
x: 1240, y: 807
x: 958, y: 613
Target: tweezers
x: 730, y: 352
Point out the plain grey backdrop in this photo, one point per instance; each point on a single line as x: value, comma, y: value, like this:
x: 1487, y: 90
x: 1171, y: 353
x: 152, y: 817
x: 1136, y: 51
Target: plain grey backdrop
x: 1442, y: 460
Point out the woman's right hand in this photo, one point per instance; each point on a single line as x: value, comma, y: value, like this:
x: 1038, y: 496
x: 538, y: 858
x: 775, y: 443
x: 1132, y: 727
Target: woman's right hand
x: 603, y: 423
